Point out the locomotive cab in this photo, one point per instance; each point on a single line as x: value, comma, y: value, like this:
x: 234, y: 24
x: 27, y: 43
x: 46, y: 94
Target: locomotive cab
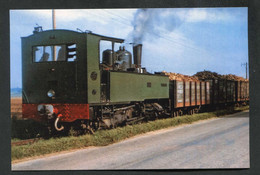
x: 53, y: 72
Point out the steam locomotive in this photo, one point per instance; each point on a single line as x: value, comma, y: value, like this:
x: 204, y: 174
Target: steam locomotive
x: 68, y: 80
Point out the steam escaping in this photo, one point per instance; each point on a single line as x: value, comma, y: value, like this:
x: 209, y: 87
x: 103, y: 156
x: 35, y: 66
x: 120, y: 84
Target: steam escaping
x: 143, y: 23
x: 152, y: 22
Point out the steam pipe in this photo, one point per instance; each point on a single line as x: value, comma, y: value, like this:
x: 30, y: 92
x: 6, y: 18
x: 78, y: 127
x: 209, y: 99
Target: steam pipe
x: 137, y: 51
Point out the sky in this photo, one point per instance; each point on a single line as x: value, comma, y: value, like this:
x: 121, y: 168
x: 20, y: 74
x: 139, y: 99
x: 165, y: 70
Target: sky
x: 180, y: 40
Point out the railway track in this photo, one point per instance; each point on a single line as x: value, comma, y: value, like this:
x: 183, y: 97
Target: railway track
x: 25, y: 142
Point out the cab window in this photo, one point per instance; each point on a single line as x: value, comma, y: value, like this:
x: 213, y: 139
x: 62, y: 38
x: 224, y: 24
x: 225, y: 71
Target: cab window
x: 55, y: 53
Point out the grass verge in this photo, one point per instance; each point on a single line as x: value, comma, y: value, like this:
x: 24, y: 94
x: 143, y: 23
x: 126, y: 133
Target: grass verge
x: 106, y: 137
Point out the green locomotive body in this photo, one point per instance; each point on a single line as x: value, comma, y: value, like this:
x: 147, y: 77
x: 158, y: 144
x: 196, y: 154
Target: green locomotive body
x: 128, y: 87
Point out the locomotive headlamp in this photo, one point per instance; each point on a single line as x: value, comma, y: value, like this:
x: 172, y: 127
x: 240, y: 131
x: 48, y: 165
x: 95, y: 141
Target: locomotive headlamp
x: 45, y: 109
x: 51, y: 93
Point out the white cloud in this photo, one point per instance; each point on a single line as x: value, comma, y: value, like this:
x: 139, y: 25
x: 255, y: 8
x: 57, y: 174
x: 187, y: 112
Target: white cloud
x: 103, y: 16
x: 201, y: 14
x: 196, y: 15
x: 90, y: 15
x: 45, y: 13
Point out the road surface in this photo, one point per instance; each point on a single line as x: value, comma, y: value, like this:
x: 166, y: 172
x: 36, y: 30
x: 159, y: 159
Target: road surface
x: 215, y: 143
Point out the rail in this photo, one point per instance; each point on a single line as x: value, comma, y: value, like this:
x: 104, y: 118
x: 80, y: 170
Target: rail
x: 25, y: 142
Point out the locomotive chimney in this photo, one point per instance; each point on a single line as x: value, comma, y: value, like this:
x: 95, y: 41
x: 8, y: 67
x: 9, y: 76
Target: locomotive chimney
x: 137, y: 51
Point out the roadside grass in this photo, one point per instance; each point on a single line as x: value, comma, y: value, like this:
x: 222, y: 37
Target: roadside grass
x: 106, y: 137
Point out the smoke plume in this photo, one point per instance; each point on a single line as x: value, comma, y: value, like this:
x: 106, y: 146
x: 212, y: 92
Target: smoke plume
x: 143, y: 24
x: 151, y: 22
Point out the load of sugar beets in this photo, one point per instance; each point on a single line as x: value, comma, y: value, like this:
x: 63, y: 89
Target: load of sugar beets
x: 70, y: 81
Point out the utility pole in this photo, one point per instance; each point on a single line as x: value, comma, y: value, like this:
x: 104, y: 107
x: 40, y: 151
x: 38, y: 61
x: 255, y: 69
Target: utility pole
x: 54, y: 27
x: 245, y: 64
x: 53, y: 19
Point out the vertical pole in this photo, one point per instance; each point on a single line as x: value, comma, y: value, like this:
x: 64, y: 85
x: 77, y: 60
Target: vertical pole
x: 53, y: 19
x: 113, y: 55
x: 54, y: 27
x: 246, y: 70
x: 245, y: 64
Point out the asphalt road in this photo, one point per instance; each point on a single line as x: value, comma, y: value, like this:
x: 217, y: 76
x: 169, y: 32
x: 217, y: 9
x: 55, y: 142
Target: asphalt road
x: 214, y: 143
